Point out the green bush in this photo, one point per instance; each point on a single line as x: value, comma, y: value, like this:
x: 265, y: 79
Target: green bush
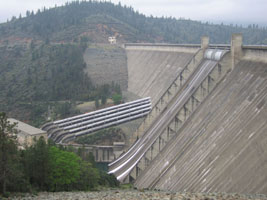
x: 117, y: 99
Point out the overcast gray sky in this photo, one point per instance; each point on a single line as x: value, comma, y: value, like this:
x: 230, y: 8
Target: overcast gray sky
x: 216, y: 11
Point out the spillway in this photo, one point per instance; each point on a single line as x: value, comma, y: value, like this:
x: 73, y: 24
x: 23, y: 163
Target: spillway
x: 223, y: 145
x: 207, y: 131
x: 122, y: 167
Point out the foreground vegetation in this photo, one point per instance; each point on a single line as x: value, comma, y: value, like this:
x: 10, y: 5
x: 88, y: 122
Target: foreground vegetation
x: 46, y: 167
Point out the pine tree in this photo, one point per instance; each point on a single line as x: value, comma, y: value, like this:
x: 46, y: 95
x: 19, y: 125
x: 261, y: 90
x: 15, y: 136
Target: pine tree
x: 8, y: 150
x: 39, y: 161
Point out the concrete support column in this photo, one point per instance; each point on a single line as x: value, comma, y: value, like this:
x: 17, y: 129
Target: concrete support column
x: 204, y: 42
x: 151, y: 152
x: 168, y: 134
x: 164, y: 136
x: 185, y: 112
x: 127, y: 179
x: 147, y: 162
x: 181, y: 79
x: 155, y: 149
x: 141, y: 165
x: 133, y: 173
x: 236, y: 48
x: 192, y: 103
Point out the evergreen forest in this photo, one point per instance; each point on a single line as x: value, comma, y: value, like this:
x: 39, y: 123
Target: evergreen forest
x: 65, y: 23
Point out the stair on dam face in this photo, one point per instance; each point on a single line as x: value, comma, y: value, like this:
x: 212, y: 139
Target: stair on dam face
x: 223, y: 145
x: 138, y: 157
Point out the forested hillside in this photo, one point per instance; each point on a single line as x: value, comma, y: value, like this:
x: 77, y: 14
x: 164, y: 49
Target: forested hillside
x: 42, y: 68
x: 42, y: 75
x: 92, y: 18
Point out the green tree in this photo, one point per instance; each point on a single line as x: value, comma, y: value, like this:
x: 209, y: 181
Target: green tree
x: 84, y: 39
x: 89, y: 177
x: 117, y: 89
x: 65, y: 168
x: 38, y: 164
x: 117, y: 98
x: 103, y: 99
x: 90, y: 158
x: 108, y: 180
x: 64, y: 109
x: 96, y: 102
x: 8, y: 150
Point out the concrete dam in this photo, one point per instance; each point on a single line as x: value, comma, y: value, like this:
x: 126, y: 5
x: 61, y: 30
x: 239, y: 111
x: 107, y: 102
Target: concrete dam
x: 207, y: 130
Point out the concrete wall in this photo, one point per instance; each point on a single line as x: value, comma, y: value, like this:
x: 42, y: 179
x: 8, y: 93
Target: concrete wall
x: 152, y: 69
x: 169, y: 94
x: 187, y: 48
x: 27, y: 134
x: 255, y: 53
x: 222, y: 147
x: 24, y: 139
x: 106, y: 64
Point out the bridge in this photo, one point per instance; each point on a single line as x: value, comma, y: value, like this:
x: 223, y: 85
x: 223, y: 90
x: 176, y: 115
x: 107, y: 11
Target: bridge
x: 206, y: 131
x: 65, y: 130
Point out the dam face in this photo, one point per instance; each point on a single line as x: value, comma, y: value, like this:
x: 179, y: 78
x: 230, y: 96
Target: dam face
x: 216, y: 139
x: 223, y: 145
x: 152, y: 69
